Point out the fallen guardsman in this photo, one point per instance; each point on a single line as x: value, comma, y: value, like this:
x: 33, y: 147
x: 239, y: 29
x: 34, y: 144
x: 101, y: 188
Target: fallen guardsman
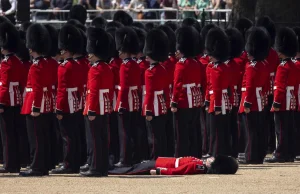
x: 181, y: 166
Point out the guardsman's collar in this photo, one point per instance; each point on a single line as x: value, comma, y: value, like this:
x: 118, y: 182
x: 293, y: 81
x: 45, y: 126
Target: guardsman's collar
x: 80, y: 57
x: 142, y: 58
x: 286, y: 59
x: 9, y: 55
x: 68, y: 59
x: 126, y: 60
x: 100, y: 60
x: 38, y: 58
x: 134, y: 58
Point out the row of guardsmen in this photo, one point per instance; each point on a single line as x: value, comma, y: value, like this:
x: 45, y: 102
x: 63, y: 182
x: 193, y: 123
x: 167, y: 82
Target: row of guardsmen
x: 117, y: 93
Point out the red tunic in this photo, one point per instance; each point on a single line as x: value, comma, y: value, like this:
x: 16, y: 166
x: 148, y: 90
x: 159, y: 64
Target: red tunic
x: 114, y: 65
x: 187, y: 84
x: 38, y: 97
x: 286, y: 86
x: 235, y: 75
x: 255, y: 85
x: 12, y: 81
x: 169, y: 65
x: 219, y: 84
x: 242, y: 62
x: 100, y: 89
x: 208, y: 84
x: 52, y: 67
x: 297, y: 62
x: 144, y: 65
x: 130, y: 83
x: 204, y: 60
x: 273, y: 61
x: 69, y: 82
x: 180, y: 166
x: 156, y: 83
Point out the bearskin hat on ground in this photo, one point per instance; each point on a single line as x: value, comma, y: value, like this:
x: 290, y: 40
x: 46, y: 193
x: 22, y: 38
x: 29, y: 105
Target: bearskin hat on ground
x: 171, y: 37
x: 70, y: 39
x: 286, y: 42
x: 99, y: 22
x: 123, y: 17
x: 138, y: 25
x: 114, y: 25
x: 217, y: 44
x: 79, y: 13
x: 297, y: 32
x: 9, y: 37
x: 236, y: 42
x: 187, y: 41
x: 192, y: 22
x: 77, y: 23
x: 269, y: 24
x: 127, y: 40
x: 243, y: 24
x: 257, y: 43
x: 38, y: 39
x: 99, y: 43
x: 223, y: 165
x: 149, y: 26
x: 157, y: 45
x: 172, y: 25
x: 205, y: 30
x: 142, y: 37
x: 54, y: 40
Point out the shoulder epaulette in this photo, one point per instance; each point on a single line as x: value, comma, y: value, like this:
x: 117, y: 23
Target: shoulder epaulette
x: 282, y: 63
x: 35, y: 61
x: 5, y: 58
x: 253, y: 63
x: 139, y: 61
x: 182, y: 60
x: 95, y: 64
x: 64, y: 63
x: 125, y: 61
x: 226, y: 62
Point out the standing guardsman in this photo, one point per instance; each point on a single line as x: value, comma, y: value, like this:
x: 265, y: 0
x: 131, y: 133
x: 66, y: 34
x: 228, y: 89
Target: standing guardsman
x: 156, y: 90
x: 12, y: 84
x: 38, y: 101
x: 99, y: 100
x: 68, y: 98
x: 285, y: 96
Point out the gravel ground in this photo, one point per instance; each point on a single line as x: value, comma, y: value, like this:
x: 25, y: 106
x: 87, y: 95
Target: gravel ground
x: 266, y: 178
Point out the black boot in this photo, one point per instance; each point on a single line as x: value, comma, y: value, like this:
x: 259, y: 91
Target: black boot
x: 121, y: 165
x: 62, y: 170
x: 274, y: 159
x: 84, y: 168
x: 90, y: 173
x: 7, y: 170
x: 31, y: 173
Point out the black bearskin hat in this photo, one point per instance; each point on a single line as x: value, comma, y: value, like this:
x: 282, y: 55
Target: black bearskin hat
x: 77, y: 24
x: 236, y: 42
x: 217, y: 44
x: 243, y: 24
x: 171, y: 37
x: 99, y: 22
x: 127, y: 40
x: 157, y: 45
x: 24, y: 26
x: 172, y: 25
x: 149, y: 26
x: 78, y: 12
x: 114, y: 25
x: 99, y: 42
x: 70, y: 39
x: 23, y: 52
x: 286, y: 42
x: 9, y: 37
x: 223, y: 165
x: 297, y: 32
x: 138, y: 25
x: 191, y: 22
x: 54, y: 40
x: 206, y: 29
x: 267, y: 23
x: 38, y: 39
x: 187, y: 41
x: 123, y: 17
x: 142, y: 37
x: 112, y: 32
x: 257, y: 43
x: 84, y: 42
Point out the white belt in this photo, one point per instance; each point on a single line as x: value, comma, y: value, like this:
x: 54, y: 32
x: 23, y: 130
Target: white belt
x: 45, y: 89
x: 235, y: 87
x: 71, y: 89
x: 272, y: 74
x: 243, y: 89
x: 224, y: 91
x: 118, y: 87
x: 288, y: 88
x: 53, y: 87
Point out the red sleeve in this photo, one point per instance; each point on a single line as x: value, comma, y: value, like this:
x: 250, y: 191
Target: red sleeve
x: 4, y: 86
x: 280, y: 85
x: 94, y: 87
x: 124, y: 84
x: 178, y: 83
x: 61, y: 89
x: 215, y: 80
x: 149, y: 97
x: 250, y: 92
x: 207, y: 97
x: 189, y: 168
x: 37, y: 88
x: 203, y: 80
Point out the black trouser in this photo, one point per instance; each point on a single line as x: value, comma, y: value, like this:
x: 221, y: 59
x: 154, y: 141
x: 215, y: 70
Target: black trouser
x: 241, y: 134
x: 141, y: 149
x: 255, y: 136
x: 204, y: 118
x: 114, y: 147
x: 38, y: 135
x: 270, y: 125
x: 71, y: 141
x: 234, y: 132
x: 14, y: 138
x: 219, y: 135
x: 297, y: 135
x: 127, y: 126
x: 53, y: 139
x: 186, y: 139
x: 99, y: 137
x: 82, y: 132
x: 170, y: 135
x: 156, y: 129
x: 285, y: 132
